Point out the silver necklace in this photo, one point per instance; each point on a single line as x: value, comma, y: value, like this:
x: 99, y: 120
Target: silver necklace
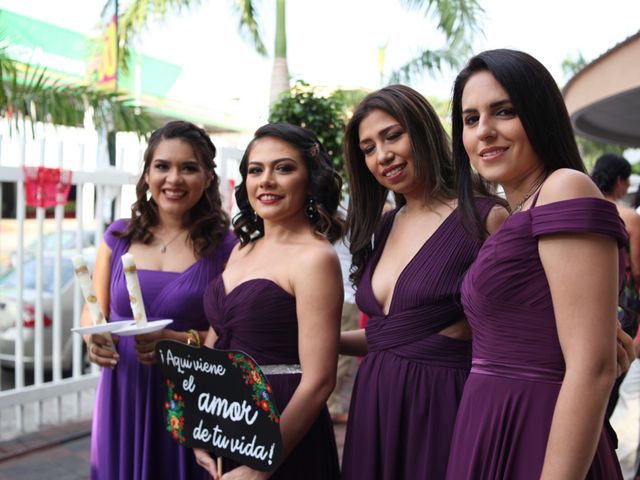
x: 526, y: 197
x: 163, y: 246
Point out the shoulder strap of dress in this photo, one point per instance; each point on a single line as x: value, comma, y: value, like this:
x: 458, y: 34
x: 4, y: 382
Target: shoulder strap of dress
x: 535, y: 197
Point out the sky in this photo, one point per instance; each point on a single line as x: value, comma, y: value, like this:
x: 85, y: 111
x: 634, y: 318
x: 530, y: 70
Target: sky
x: 334, y: 43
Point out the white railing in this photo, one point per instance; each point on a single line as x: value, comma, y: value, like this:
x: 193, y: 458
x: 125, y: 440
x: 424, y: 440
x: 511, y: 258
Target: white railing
x: 45, y: 378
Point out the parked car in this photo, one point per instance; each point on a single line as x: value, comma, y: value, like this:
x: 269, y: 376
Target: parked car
x: 68, y: 242
x: 8, y: 310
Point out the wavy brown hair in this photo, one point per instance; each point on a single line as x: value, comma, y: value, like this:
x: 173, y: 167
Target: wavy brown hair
x: 324, y: 184
x: 431, y: 151
x: 207, y: 221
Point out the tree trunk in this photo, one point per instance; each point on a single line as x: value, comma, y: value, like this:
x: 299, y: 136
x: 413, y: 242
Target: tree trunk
x: 280, y: 71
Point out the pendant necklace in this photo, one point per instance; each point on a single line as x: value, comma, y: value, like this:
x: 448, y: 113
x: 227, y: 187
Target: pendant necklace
x: 526, y: 197
x: 163, y: 246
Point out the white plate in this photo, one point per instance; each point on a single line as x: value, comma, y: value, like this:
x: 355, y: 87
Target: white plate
x: 102, y: 327
x: 133, y: 329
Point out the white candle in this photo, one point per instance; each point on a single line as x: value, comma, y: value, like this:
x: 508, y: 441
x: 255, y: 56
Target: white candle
x: 84, y: 279
x: 133, y: 286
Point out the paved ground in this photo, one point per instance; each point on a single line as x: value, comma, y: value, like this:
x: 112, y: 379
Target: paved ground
x: 62, y: 453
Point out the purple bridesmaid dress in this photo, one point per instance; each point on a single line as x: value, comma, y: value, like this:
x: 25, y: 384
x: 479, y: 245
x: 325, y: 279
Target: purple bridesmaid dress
x: 517, y: 369
x: 129, y: 440
x: 259, y: 318
x: 408, y: 387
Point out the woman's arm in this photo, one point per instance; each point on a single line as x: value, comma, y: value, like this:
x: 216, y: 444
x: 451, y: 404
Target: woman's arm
x: 582, y: 271
x: 632, y: 223
x: 353, y: 342
x: 100, y: 348
x: 318, y: 291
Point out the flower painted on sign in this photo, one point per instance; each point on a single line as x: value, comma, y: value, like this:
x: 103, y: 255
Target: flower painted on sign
x: 261, y: 389
x: 175, y: 413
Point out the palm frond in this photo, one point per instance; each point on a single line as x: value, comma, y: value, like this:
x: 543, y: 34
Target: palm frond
x: 31, y: 96
x: 248, y: 24
x: 431, y: 61
x: 459, y: 20
x: 137, y: 17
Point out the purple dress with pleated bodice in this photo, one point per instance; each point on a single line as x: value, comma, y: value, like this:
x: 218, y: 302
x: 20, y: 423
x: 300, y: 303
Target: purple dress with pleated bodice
x: 259, y: 318
x: 509, y: 399
x: 129, y: 439
x: 408, y: 387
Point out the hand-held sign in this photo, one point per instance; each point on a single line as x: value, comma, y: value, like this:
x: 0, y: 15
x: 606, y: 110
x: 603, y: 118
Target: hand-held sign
x: 220, y: 401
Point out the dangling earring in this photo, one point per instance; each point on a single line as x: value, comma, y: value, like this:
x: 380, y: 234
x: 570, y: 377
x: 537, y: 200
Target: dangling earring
x: 310, y: 209
x: 255, y: 216
x: 148, y: 195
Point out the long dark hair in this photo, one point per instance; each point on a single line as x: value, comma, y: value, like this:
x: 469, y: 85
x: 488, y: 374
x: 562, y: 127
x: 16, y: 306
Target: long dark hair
x: 431, y: 151
x: 608, y: 169
x: 324, y: 184
x: 540, y: 107
x: 207, y: 221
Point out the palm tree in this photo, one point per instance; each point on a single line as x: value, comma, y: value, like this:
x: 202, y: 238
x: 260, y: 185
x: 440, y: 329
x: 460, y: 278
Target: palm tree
x: 138, y: 14
x: 458, y: 20
x: 280, y: 71
x: 28, y: 95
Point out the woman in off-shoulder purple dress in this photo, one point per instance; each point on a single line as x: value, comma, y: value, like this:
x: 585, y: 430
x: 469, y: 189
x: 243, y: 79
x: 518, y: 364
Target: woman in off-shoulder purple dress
x: 280, y: 296
x: 181, y: 240
x: 541, y: 297
x: 409, y: 385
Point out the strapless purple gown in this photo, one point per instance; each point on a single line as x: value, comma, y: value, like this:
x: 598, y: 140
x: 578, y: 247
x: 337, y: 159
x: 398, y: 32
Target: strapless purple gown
x: 408, y: 387
x: 505, y: 416
x: 259, y: 318
x: 129, y: 440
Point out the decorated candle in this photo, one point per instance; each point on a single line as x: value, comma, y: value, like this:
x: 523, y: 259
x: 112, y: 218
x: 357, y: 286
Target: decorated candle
x: 133, y: 286
x: 86, y: 286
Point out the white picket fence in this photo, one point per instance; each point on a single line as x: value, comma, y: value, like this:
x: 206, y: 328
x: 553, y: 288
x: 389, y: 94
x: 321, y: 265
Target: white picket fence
x: 38, y: 388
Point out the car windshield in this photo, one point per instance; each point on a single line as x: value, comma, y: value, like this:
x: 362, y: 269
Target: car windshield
x: 10, y: 280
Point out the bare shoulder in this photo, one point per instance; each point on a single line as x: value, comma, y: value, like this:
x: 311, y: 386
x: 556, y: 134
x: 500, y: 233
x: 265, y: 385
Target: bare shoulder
x: 316, y: 261
x: 496, y: 217
x: 238, y: 252
x: 567, y: 184
x: 317, y: 254
x: 630, y: 218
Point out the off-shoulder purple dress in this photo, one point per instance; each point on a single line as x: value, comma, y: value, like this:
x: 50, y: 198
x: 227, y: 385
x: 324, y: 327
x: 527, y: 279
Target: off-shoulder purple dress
x: 259, y: 318
x: 408, y: 387
x: 129, y: 440
x: 517, y: 369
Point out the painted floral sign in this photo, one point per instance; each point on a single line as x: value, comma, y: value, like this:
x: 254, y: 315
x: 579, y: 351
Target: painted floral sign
x: 220, y: 400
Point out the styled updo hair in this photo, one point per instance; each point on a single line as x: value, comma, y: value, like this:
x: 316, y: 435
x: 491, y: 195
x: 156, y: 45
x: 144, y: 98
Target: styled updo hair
x: 608, y: 169
x: 324, y: 184
x: 207, y: 221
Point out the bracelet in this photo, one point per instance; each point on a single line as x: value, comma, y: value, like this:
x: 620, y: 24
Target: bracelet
x: 193, y: 337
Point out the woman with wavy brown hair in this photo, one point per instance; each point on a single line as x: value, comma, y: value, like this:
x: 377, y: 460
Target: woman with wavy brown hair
x: 408, y: 268
x: 280, y: 296
x: 180, y: 238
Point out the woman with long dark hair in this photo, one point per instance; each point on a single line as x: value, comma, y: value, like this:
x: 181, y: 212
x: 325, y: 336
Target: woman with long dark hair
x: 280, y: 296
x: 541, y: 296
x: 408, y: 278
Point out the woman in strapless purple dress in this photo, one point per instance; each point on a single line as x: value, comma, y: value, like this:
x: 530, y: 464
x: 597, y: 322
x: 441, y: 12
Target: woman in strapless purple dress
x: 541, y: 297
x: 180, y: 238
x: 416, y: 342
x: 280, y: 296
